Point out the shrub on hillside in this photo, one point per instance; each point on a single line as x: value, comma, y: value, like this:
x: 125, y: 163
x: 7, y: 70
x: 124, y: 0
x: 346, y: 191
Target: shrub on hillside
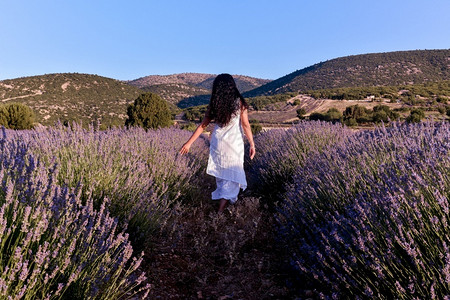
x: 332, y: 115
x: 442, y: 99
x: 316, y: 116
x: 195, y: 113
x: 301, y: 113
x: 255, y: 126
x: 369, y: 217
x: 415, y: 116
x: 351, y: 122
x: 382, y: 113
x: 189, y: 126
x: 440, y: 90
x: 16, y: 116
x: 258, y: 103
x: 441, y: 110
x: 358, y: 113
x: 149, y: 111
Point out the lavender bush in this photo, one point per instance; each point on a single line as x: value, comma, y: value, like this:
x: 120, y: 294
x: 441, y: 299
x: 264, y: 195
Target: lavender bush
x: 53, y: 245
x: 369, y: 217
x: 139, y: 171
x: 281, y: 152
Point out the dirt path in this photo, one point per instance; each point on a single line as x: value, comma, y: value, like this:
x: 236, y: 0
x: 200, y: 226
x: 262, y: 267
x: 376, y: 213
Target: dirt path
x: 234, y: 255
x: 21, y: 97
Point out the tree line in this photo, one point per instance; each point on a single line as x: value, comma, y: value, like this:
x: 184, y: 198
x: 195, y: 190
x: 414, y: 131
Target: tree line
x: 149, y: 110
x: 359, y: 115
x: 406, y: 93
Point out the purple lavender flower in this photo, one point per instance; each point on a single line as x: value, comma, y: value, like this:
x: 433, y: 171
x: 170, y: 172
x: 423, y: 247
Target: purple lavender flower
x: 375, y: 205
x: 50, y: 246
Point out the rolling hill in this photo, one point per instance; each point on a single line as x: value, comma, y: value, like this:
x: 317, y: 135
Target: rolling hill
x: 180, y: 94
x: 377, y: 69
x: 71, y: 96
x: 205, y: 81
x: 90, y: 98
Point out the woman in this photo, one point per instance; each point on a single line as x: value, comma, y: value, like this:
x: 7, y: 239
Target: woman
x: 228, y: 109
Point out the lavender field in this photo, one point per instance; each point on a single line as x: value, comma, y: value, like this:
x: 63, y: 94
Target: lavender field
x: 330, y: 213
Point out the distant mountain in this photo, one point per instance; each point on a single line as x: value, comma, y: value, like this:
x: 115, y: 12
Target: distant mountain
x: 377, y: 69
x: 71, y: 96
x: 244, y: 83
x: 180, y: 94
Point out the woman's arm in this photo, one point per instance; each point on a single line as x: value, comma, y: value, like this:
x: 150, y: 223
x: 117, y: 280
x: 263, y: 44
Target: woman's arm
x: 196, y: 134
x: 248, y: 131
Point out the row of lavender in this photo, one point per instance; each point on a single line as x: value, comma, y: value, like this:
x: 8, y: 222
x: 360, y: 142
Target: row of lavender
x: 363, y: 214
x: 74, y: 203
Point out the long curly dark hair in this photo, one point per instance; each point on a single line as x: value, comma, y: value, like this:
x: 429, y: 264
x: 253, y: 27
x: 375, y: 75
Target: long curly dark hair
x: 226, y: 100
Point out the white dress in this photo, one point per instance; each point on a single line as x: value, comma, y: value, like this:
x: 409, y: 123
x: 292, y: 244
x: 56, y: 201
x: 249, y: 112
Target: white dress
x: 226, y: 160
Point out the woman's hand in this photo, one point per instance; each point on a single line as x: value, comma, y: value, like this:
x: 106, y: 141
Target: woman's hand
x: 252, y: 152
x: 185, y: 148
x: 196, y: 134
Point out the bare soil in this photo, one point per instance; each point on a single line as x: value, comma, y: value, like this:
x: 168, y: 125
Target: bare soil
x: 286, y: 112
x: 234, y: 255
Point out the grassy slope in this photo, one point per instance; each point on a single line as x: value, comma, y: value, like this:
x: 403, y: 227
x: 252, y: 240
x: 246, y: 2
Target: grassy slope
x: 71, y: 97
x: 391, y: 68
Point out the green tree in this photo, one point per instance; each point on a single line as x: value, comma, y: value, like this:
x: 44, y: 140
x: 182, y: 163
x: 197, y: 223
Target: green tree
x: 351, y: 122
x: 255, y: 126
x: 441, y: 110
x: 316, y: 116
x: 381, y: 107
x: 301, y: 113
x: 190, y: 126
x: 442, y: 99
x: 195, y: 113
x: 416, y: 116
x: 380, y: 116
x: 148, y: 111
x: 357, y: 112
x: 16, y: 116
x: 333, y: 115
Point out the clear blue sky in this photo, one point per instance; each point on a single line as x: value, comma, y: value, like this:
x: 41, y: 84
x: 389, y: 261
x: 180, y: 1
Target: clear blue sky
x: 268, y: 39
